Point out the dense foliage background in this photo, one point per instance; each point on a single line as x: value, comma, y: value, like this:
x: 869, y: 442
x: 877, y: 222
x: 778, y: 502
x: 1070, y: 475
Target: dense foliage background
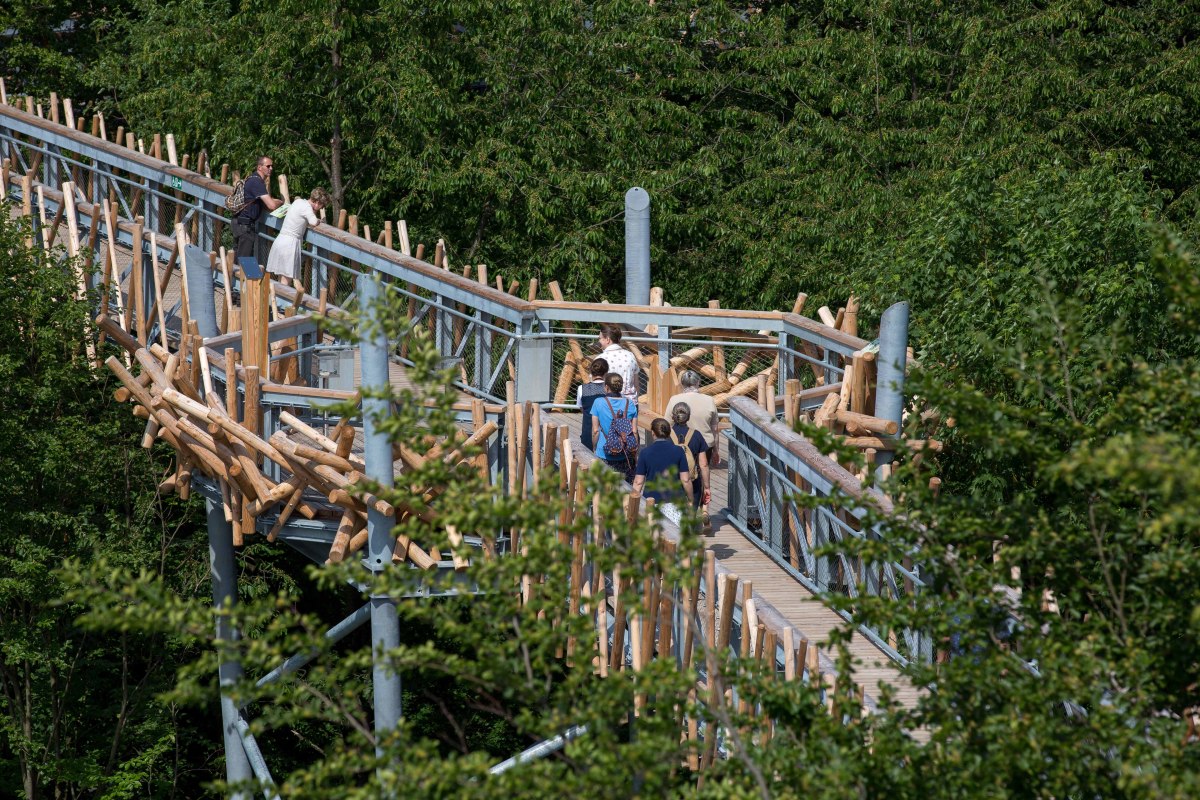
x: 1025, y: 173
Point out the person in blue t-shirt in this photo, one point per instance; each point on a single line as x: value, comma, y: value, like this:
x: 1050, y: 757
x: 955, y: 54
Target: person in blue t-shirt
x: 662, y: 458
x: 608, y: 406
x: 257, y: 193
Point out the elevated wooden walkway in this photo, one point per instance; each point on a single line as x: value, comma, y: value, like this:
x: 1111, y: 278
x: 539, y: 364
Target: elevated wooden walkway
x: 247, y: 444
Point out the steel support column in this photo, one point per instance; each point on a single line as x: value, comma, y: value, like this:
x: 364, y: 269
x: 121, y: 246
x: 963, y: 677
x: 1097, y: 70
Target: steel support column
x: 224, y: 586
x: 637, y: 247
x: 893, y: 357
x: 385, y: 625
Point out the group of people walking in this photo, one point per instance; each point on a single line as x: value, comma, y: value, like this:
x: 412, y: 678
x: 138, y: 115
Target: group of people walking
x: 683, y: 448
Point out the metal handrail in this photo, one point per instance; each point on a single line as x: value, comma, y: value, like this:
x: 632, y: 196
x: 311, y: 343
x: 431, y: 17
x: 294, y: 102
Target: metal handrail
x: 764, y: 456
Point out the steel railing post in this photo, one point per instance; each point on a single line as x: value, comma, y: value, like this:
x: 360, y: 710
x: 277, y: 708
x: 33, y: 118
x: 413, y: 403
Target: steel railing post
x: 785, y: 362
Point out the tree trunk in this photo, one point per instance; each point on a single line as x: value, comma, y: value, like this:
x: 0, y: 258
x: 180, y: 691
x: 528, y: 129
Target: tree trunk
x: 28, y: 771
x: 337, y: 187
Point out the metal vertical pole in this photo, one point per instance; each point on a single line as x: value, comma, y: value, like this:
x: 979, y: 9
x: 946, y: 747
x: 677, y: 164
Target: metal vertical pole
x: 637, y: 247
x: 50, y: 167
x: 893, y: 356
x: 664, y: 351
x: 445, y: 329
x: 385, y: 625
x: 786, y: 362
x: 204, y: 227
x: 483, y: 354
x: 150, y: 205
x: 224, y: 586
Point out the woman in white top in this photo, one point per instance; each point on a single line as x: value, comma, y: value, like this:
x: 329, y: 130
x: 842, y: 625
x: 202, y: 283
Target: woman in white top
x: 620, y: 360
x: 284, y: 260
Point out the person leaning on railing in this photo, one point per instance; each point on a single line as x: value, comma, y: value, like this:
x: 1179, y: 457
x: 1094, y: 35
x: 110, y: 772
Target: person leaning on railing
x: 284, y: 260
x: 257, y: 193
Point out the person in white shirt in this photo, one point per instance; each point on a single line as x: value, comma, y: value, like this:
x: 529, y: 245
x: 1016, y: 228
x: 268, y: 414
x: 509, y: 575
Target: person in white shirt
x: 704, y: 411
x: 284, y: 260
x: 620, y: 360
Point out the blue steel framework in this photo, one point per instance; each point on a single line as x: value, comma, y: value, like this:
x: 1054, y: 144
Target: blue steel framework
x: 482, y: 329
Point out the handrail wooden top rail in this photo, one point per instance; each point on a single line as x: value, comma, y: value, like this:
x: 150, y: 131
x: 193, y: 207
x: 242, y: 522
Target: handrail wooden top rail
x: 446, y: 276
x: 663, y: 311
x: 220, y: 191
x: 683, y: 315
x: 116, y: 150
x: 850, y: 343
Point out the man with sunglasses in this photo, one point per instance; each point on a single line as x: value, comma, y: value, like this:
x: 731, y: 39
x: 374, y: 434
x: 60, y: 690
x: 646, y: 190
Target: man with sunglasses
x: 258, y: 199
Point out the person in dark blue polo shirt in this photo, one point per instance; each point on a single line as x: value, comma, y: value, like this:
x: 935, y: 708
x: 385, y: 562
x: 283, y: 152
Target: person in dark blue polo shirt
x: 258, y: 199
x: 684, y: 435
x: 587, y: 396
x: 663, y: 458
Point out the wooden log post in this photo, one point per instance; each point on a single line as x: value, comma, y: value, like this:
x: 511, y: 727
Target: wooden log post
x: 256, y: 302
x: 252, y: 408
x: 850, y: 319
x: 576, y: 363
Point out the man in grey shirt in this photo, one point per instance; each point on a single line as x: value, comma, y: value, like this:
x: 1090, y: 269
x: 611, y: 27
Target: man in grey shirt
x: 704, y: 411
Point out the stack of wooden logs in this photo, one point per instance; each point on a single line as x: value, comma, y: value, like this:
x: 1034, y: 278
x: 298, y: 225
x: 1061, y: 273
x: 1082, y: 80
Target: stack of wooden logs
x: 173, y: 392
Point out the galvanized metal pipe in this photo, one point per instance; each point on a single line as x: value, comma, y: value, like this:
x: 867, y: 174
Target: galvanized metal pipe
x: 377, y: 452
x: 637, y: 247
x: 223, y: 574
x: 892, y: 359
x: 257, y: 762
x: 540, y: 750
x: 335, y: 634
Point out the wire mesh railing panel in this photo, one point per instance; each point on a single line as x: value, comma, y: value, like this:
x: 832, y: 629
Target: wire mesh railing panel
x: 813, y: 530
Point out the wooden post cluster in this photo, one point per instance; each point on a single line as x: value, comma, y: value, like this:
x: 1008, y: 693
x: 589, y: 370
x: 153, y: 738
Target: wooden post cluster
x: 321, y: 472
x: 636, y: 619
